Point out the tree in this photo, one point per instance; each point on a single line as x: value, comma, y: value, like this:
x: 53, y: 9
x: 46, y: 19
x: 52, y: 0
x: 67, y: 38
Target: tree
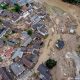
x: 78, y: 49
x: 29, y: 32
x: 16, y: 8
x: 72, y: 1
x: 27, y: 5
x: 50, y: 63
x: 1, y: 59
x: 0, y: 21
x: 3, y: 5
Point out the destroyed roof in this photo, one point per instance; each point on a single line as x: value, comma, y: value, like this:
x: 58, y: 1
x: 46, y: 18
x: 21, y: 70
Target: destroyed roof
x: 35, y: 52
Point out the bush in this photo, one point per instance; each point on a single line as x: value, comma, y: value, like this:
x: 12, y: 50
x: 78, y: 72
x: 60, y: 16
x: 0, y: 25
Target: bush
x: 50, y: 63
x: 29, y: 32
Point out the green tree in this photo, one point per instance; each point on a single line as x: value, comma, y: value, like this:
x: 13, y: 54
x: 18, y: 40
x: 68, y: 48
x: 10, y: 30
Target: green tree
x: 72, y: 1
x: 0, y: 21
x: 1, y: 59
x: 3, y: 5
x: 16, y: 8
x: 29, y: 32
x: 27, y: 4
x: 50, y: 63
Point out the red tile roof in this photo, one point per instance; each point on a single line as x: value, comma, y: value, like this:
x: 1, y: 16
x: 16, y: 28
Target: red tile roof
x: 9, y: 52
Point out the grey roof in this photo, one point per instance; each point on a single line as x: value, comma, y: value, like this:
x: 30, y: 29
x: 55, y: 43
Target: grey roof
x: 6, y: 23
x: 35, y: 26
x: 44, y: 71
x: 37, y: 44
x: 5, y: 13
x: 1, y: 11
x: 17, y: 68
x: 3, y: 32
x: 27, y: 39
x: 12, y: 42
x: 15, y: 16
x: 33, y: 58
x: 42, y: 30
x: 21, y: 2
x: 7, y: 1
x: 43, y: 78
x: 1, y: 43
x: 60, y: 44
x: 17, y: 53
x: 35, y: 19
x: 5, y: 74
x: 35, y: 52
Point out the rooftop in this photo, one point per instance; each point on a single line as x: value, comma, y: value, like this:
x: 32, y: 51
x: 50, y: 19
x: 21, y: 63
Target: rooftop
x: 26, y: 39
x: 44, y: 71
x: 17, y: 69
x: 17, y: 53
x: 5, y: 74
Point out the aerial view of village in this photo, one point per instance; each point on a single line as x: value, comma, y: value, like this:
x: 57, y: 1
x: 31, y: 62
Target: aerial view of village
x: 39, y: 39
